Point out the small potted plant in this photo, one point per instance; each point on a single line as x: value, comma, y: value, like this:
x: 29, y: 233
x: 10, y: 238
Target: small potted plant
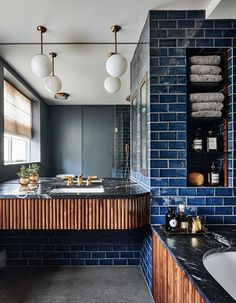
x: 24, y: 175
x: 34, y: 172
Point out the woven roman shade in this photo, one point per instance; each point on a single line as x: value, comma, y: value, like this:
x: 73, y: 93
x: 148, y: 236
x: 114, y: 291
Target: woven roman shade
x: 17, y: 112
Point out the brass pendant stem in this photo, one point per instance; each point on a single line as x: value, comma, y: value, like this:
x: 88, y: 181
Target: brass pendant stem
x: 115, y: 42
x: 115, y: 29
x: 41, y: 29
x: 41, y: 42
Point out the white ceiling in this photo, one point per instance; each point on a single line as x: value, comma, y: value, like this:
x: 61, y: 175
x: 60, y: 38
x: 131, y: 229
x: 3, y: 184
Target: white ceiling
x: 80, y: 67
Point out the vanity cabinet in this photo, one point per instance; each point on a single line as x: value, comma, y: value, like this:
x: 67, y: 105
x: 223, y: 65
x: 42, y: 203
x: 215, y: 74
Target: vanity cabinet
x: 170, y: 284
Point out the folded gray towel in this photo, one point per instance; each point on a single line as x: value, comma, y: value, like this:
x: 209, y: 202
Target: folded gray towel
x: 207, y: 114
x: 195, y: 107
x: 206, y: 60
x: 205, y: 69
x: 207, y: 97
x: 206, y: 78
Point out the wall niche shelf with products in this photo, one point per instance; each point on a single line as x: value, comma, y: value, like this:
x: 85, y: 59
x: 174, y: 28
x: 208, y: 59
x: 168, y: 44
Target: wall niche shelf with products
x: 207, y: 117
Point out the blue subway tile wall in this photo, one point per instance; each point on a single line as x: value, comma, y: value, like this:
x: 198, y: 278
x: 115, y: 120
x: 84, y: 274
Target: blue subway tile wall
x: 168, y: 106
x: 146, y: 258
x: 41, y: 248
x: 122, y: 137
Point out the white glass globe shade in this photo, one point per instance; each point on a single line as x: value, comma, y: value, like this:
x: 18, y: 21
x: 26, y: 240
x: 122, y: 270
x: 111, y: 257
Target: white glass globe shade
x: 53, y: 84
x: 112, y: 85
x: 41, y: 65
x: 116, y: 65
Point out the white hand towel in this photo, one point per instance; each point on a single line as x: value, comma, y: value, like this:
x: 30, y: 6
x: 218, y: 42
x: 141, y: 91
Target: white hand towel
x: 207, y: 97
x: 206, y: 60
x: 205, y: 69
x: 206, y: 78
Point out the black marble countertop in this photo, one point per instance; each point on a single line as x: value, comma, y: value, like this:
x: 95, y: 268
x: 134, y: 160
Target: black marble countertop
x: 112, y: 188
x: 188, y: 252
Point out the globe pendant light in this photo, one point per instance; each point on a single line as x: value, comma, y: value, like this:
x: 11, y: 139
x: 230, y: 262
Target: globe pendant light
x: 53, y: 83
x: 112, y: 84
x: 116, y: 64
x: 41, y: 64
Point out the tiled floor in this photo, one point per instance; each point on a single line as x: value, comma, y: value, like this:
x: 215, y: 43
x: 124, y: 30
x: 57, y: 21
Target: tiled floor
x: 73, y: 285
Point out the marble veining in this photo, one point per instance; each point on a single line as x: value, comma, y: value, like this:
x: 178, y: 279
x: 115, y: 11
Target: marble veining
x: 113, y: 187
x: 188, y: 252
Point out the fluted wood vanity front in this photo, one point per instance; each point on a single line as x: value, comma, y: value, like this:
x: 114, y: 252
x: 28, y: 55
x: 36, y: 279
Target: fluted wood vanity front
x: 110, y: 210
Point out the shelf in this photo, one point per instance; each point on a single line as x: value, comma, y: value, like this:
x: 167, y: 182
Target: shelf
x: 201, y: 87
x: 204, y: 120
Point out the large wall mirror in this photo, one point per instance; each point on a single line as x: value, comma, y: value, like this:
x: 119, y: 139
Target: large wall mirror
x: 143, y: 126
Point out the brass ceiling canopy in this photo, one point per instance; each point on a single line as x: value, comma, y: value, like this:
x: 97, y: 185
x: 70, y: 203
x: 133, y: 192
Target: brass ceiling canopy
x: 61, y: 96
x: 115, y: 28
x: 41, y: 29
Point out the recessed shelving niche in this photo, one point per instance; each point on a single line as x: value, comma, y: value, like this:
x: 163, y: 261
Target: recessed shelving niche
x: 201, y: 161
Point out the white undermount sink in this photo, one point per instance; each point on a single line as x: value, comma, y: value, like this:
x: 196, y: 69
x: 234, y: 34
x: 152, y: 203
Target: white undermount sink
x: 78, y: 190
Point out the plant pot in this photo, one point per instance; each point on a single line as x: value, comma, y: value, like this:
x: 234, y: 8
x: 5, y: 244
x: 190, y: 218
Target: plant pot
x: 34, y: 178
x: 24, y: 181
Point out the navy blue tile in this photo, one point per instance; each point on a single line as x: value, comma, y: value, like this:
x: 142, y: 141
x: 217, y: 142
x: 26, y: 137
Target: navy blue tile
x: 168, y: 98
x: 159, y: 71
x: 214, y: 201
x: 223, y: 23
x: 96, y: 255
x: 158, y: 127
x: 167, y: 24
x: 177, y: 182
x: 175, y: 33
x: 168, y: 154
x: 207, y: 210
x: 187, y: 191
x: 120, y: 262
x: 167, y: 43
x: 126, y: 254
x: 223, y: 191
x: 204, y: 42
x: 177, y: 89
x: 223, y: 42
x: 229, y: 33
x: 157, y: 220
x: 168, y: 191
x: 168, y: 79
x: 205, y: 192
x: 158, y: 33
x: 195, y: 14
x: 112, y: 254
x: 196, y: 201
x: 204, y: 23
x: 105, y: 247
x: 133, y: 261
x: 91, y: 262
x: 177, y: 15
x: 176, y: 163
x: 158, y: 164
x: 158, y: 89
x: 224, y: 210
x: 105, y: 261
x: 168, y: 173
x: 177, y: 108
x: 158, y: 52
x: 186, y: 42
x: 176, y: 70
x: 159, y: 145
x: 83, y: 254
x: 177, y: 126
x: 177, y: 51
x: 177, y: 145
x: 157, y: 14
x: 186, y: 23
x: 192, y: 33
x: 230, y: 201
x: 168, y: 117
x: 213, y: 33
x: 168, y: 136
x: 230, y: 219
x: 214, y: 219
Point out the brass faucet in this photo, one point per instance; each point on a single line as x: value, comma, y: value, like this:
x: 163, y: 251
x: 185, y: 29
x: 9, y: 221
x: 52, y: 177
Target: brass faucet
x: 80, y: 179
x: 70, y: 182
x: 89, y: 181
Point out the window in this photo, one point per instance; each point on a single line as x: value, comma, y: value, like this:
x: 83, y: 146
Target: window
x: 143, y: 127
x: 17, y: 125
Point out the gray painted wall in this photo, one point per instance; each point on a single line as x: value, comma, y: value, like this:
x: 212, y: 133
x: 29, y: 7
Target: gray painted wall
x: 82, y: 139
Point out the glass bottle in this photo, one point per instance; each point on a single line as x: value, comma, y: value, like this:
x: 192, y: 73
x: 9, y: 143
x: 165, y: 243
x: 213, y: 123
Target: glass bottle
x: 211, y: 141
x: 197, y: 141
x: 182, y: 219
x: 213, y: 176
x: 171, y: 221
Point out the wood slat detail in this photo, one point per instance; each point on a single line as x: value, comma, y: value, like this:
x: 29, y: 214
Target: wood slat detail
x: 82, y: 214
x: 169, y: 283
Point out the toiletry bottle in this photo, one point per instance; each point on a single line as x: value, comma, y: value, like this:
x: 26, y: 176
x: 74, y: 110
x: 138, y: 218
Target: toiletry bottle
x: 211, y: 141
x: 213, y: 176
x: 171, y: 221
x: 197, y: 141
x: 182, y: 219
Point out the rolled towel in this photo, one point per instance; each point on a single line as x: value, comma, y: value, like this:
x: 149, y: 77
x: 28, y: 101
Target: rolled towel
x: 205, y: 69
x: 207, y: 97
x: 201, y: 106
x: 206, y: 78
x: 205, y: 60
x: 207, y: 114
